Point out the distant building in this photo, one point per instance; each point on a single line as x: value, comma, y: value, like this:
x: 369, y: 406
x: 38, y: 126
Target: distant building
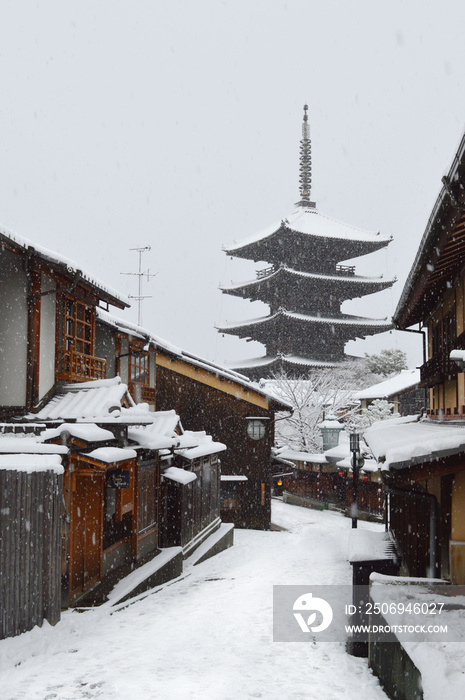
x: 403, y: 391
x: 305, y: 285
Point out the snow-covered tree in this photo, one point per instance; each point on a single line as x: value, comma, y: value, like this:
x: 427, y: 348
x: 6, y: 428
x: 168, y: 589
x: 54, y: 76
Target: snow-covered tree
x: 380, y: 409
x: 328, y: 390
x: 387, y: 362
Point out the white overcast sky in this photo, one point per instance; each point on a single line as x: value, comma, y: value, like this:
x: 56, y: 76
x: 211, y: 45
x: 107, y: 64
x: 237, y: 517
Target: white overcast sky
x: 176, y: 124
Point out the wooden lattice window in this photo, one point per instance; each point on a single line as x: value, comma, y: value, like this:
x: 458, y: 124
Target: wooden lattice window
x: 140, y: 367
x: 79, y: 327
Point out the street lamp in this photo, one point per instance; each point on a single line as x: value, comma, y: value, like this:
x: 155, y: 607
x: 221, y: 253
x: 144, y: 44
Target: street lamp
x: 357, y: 463
x: 330, y: 430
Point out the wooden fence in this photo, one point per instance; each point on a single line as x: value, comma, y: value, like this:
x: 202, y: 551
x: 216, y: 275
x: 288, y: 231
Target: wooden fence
x: 332, y: 488
x: 30, y: 552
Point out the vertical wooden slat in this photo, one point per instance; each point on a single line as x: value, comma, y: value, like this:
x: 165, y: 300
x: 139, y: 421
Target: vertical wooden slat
x: 30, y: 532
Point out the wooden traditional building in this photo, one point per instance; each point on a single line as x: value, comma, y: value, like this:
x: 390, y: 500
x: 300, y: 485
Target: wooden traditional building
x: 47, y: 324
x: 207, y: 397
x: 403, y: 391
x: 58, y: 375
x: 425, y: 461
x: 305, y: 285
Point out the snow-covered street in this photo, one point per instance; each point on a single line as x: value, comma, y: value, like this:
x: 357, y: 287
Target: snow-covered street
x: 206, y: 635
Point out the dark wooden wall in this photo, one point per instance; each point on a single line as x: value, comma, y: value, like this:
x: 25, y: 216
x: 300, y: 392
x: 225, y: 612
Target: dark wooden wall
x: 203, y: 407
x: 30, y: 552
x: 187, y: 509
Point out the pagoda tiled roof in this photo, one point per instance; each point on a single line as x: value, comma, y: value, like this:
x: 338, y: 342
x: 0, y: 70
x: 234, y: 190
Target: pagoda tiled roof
x: 267, y: 361
x: 311, y: 222
x: 343, y: 320
x: 284, y: 270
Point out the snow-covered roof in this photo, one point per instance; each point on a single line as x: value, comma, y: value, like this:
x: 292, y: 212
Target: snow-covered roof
x: 233, y: 477
x: 31, y: 463
x: 286, y: 270
x: 161, y: 433
x: 312, y: 223
x: 267, y: 360
x: 428, y: 242
x: 205, y: 445
x: 344, y: 320
x: 181, y: 476
x: 402, y: 442
x: 70, y: 266
x: 83, y: 431
x: 109, y: 455
x: 296, y: 456
x: 392, y: 386
x: 166, y: 432
x: 97, y: 401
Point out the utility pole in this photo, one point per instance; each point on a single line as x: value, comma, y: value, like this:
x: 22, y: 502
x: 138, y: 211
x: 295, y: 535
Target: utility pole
x: 139, y: 297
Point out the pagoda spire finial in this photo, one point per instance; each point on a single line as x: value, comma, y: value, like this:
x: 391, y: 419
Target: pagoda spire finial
x: 305, y: 169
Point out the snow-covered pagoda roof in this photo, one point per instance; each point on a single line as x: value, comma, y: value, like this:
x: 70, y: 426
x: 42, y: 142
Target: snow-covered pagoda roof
x: 299, y: 287
x: 333, y: 321
x: 294, y: 364
x: 18, y: 243
x: 304, y: 227
x: 285, y: 271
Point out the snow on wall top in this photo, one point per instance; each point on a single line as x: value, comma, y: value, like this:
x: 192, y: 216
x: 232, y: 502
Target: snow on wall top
x: 406, y: 379
x: 313, y: 223
x: 31, y: 463
x: 62, y: 261
x: 29, y: 445
x: 369, y: 545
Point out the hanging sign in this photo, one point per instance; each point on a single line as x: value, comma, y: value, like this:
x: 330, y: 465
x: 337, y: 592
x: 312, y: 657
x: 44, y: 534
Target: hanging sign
x: 118, y: 479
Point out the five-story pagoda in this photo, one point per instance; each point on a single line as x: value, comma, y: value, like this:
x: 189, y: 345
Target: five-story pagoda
x: 305, y: 285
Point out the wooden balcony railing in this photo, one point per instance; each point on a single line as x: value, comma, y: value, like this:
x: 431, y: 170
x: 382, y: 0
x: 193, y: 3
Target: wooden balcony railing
x: 438, y: 369
x: 77, y: 367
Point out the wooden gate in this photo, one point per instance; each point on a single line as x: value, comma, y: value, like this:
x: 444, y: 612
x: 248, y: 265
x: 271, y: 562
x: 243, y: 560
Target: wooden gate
x: 86, y: 545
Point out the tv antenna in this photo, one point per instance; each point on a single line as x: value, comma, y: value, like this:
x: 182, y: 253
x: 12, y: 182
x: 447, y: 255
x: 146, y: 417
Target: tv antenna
x: 140, y: 297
